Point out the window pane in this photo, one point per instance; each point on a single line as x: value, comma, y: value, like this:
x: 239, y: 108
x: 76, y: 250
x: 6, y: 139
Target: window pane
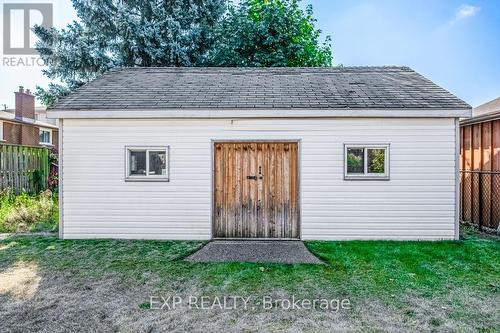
x: 355, y: 160
x: 376, y: 160
x: 138, y: 162
x: 44, y: 137
x: 157, y: 163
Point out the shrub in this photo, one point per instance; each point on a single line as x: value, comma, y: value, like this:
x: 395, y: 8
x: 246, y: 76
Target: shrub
x: 53, y: 180
x: 27, y: 213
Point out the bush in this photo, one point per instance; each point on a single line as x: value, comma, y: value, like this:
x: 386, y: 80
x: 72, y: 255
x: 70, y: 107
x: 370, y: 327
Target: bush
x: 25, y: 212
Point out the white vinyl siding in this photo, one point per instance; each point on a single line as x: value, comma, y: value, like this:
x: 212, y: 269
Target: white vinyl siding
x: 418, y: 202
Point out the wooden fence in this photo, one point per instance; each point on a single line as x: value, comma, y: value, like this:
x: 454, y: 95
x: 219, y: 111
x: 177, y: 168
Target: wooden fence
x: 23, y: 168
x: 480, y: 170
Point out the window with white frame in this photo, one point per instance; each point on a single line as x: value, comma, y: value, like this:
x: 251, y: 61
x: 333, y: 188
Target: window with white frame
x: 147, y: 163
x: 366, y: 161
x: 45, y: 136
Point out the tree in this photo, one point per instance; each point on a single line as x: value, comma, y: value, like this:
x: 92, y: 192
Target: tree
x: 119, y: 33
x: 116, y: 33
x: 270, y: 33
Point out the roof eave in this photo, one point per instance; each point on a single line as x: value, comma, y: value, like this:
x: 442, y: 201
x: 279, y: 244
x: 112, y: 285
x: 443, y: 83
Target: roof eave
x: 261, y: 113
x: 490, y: 116
x: 23, y: 122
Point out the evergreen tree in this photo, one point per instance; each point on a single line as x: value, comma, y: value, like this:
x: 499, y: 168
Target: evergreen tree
x: 116, y: 33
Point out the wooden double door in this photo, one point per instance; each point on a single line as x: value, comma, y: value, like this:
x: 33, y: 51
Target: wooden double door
x: 256, y: 190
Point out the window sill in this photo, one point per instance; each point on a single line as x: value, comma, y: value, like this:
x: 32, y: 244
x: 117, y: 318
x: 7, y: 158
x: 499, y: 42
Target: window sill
x: 366, y: 177
x: 45, y: 144
x: 146, y: 179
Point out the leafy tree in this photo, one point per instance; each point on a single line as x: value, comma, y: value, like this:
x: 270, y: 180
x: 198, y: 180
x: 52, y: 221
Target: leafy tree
x: 377, y: 161
x: 355, y: 162
x: 115, y: 33
x: 270, y: 33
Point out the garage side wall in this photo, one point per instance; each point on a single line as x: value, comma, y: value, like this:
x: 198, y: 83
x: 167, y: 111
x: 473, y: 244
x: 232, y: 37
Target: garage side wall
x: 418, y: 202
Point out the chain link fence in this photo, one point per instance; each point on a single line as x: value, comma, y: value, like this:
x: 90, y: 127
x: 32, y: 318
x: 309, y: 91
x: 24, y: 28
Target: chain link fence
x: 480, y: 198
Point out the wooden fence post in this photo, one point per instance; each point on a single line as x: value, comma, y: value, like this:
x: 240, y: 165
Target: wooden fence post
x: 480, y: 202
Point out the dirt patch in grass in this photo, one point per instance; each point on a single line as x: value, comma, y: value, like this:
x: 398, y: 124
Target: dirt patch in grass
x: 20, y: 281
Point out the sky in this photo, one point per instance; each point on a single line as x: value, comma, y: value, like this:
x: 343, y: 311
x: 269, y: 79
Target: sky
x: 456, y: 44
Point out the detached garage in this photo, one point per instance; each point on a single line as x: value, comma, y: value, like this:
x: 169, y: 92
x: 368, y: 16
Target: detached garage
x: 260, y: 153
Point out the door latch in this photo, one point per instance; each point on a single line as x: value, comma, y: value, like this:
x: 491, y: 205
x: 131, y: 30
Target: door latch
x: 252, y: 177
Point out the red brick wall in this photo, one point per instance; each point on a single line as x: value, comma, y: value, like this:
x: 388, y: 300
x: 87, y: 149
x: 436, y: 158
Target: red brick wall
x: 12, y: 133
x: 25, y: 134
x: 29, y: 135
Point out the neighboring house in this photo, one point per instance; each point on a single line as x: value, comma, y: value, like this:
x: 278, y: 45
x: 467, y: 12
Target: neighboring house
x: 21, y: 127
x: 480, y: 165
x: 41, y: 115
x: 488, y: 107
x: 267, y: 153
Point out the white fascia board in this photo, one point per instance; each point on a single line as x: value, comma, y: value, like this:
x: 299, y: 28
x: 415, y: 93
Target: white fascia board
x: 259, y: 113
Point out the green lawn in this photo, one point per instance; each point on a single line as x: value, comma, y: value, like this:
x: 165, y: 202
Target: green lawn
x: 449, y: 285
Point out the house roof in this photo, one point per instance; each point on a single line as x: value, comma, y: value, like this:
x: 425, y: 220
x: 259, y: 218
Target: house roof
x: 216, y: 88
x: 488, y: 107
x: 489, y: 116
x: 38, y: 109
x: 10, y: 116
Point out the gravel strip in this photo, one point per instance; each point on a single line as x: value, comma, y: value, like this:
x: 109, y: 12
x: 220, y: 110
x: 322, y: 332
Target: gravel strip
x: 286, y: 252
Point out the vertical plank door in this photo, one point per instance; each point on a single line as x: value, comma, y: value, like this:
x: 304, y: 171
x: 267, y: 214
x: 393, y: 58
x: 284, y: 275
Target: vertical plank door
x: 256, y: 190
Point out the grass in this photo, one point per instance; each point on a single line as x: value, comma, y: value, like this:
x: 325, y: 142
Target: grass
x: 378, y: 268
x: 398, y: 276
x: 25, y: 212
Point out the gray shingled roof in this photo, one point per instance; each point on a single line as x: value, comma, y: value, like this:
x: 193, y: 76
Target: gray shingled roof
x: 260, y: 88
